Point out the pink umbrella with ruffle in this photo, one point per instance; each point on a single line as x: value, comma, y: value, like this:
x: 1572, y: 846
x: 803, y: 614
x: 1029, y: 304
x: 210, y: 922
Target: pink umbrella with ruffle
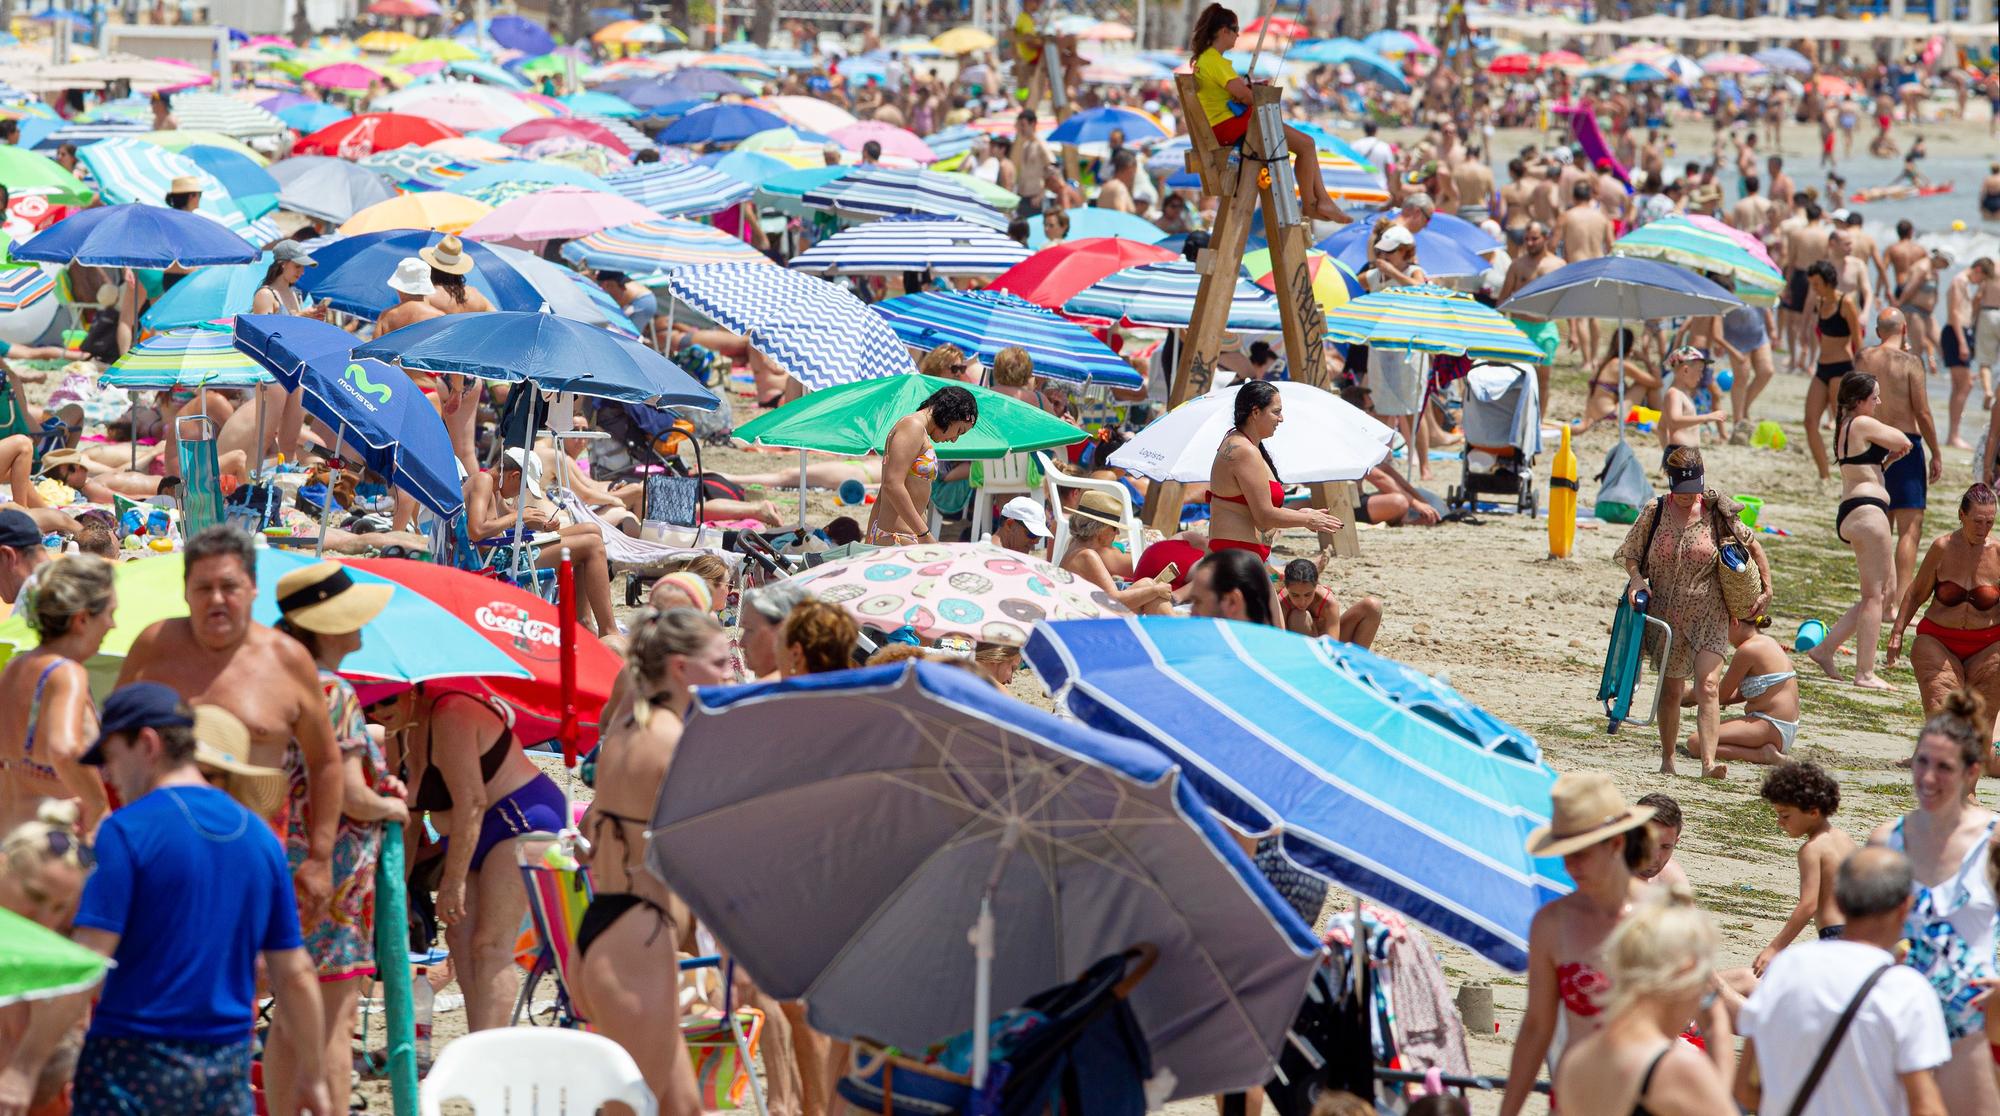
x: 557, y: 213
x: 900, y: 142
x: 1750, y: 243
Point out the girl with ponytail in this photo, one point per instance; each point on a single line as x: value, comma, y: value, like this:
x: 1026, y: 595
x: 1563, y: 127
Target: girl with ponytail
x: 1862, y: 446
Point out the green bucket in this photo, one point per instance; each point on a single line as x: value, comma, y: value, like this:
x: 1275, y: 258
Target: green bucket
x: 1753, y: 506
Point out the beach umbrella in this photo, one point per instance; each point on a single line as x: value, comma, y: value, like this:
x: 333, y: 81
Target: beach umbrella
x: 136, y: 235
x: 23, y: 286
x: 1430, y: 319
x: 1613, y: 287
x: 1457, y: 229
x: 751, y: 168
x: 1784, y: 58
x: 911, y: 243
x: 976, y: 590
x: 1054, y: 275
x: 692, y: 83
x: 512, y: 32
x: 386, y: 42
x: 183, y: 139
x: 371, y: 132
x: 310, y: 118
x: 556, y: 213
x: 1374, y: 776
x: 207, y: 297
x: 1096, y: 125
x: 432, y: 210
x: 1390, y: 41
x: 346, y: 76
x: 405, y: 9
x: 981, y: 323
x: 1323, y: 438
x: 353, y: 272
x: 185, y: 357
x: 249, y: 185
x: 565, y: 293
x: 597, y: 102
x: 419, y: 168
x: 815, y: 330
x: 1509, y: 65
x: 1631, y: 73
x: 720, y: 123
x: 378, y: 412
x: 1162, y: 295
x: 810, y: 113
x: 786, y: 192
x: 958, y: 806
x: 648, y: 248
x: 953, y: 141
x: 327, y: 188
x: 897, y: 143
x: 472, y: 150
x: 1333, y: 284
x: 31, y: 172
x: 647, y: 93
x: 432, y: 50
x: 673, y: 191
x: 856, y: 418
x: 1438, y: 253
x: 538, y: 174
x: 37, y: 963
x: 872, y: 192
x: 966, y: 39
x: 217, y: 112
x: 1095, y: 222
x: 555, y: 353
x: 1729, y: 62
x: 129, y: 170
x: 1677, y: 240
x: 548, y: 127
x: 460, y: 106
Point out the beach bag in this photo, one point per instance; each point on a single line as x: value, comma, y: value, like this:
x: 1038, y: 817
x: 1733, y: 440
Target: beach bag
x: 1622, y: 487
x: 1741, y: 583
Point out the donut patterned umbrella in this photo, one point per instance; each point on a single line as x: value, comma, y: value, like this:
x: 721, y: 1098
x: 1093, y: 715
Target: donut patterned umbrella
x: 969, y: 589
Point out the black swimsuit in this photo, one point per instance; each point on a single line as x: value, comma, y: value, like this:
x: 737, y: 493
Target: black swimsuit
x: 1836, y: 326
x: 607, y: 907
x: 1873, y: 455
x: 1646, y: 1082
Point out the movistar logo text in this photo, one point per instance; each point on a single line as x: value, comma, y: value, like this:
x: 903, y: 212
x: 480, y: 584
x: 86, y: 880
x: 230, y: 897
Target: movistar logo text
x: 359, y: 376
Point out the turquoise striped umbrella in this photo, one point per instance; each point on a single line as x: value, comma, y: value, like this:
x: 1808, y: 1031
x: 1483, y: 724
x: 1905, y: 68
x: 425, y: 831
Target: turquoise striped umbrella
x: 185, y: 358
x: 984, y: 322
x: 1429, y: 319
x: 786, y: 192
x: 1162, y: 295
x: 873, y: 192
x: 130, y: 170
x: 1677, y: 240
x: 655, y: 247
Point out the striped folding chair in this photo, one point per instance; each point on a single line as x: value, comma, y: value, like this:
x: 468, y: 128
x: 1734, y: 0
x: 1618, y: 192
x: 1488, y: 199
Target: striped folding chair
x: 201, y: 474
x: 557, y: 898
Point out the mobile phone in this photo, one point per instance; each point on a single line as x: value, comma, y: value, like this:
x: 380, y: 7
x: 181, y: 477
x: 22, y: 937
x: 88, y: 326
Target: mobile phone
x: 1171, y: 573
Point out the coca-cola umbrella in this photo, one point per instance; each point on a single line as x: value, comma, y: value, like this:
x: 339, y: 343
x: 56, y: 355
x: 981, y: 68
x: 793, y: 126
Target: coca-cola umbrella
x: 528, y: 629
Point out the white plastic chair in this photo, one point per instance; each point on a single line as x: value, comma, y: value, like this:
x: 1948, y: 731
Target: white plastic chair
x: 1004, y: 477
x: 1053, y: 482
x: 535, y: 1071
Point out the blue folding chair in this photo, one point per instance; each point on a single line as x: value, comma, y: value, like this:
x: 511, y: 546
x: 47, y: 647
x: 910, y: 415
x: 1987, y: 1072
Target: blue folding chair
x: 498, y: 559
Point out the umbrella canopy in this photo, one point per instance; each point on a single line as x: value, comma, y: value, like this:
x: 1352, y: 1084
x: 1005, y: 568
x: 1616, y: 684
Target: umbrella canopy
x: 1323, y: 438
x: 896, y: 143
x: 982, y: 323
x: 914, y: 243
x: 748, y: 167
x: 371, y: 132
x: 377, y: 410
x: 1096, y: 125
x: 1093, y: 223
x: 202, y: 111
x: 966, y: 39
x: 691, y: 82
x: 22, y: 287
x: 872, y: 192
x: 1054, y: 275
x: 207, y: 297
x: 977, y: 590
x: 349, y: 76
x: 31, y: 172
x: 250, y: 187
x: 855, y: 419
x: 130, y: 170
x: 597, y: 102
x: 927, y: 773
x: 37, y: 963
x: 431, y: 50
x: 433, y: 210
x: 184, y: 358
x: 386, y: 42
x: 1162, y: 295
x: 1677, y: 240
x: 461, y: 106
x: 565, y: 292
x: 648, y: 248
x: 353, y: 272
x: 1430, y: 319
x: 817, y: 331
x: 136, y: 236
x: 1438, y: 253
x: 1613, y: 287
x: 327, y: 188
x: 811, y: 113
x: 550, y: 126
x: 540, y: 174
x: 1784, y: 58
x: 1726, y: 62
x: 720, y: 123
x: 1457, y: 229
x: 1333, y: 284
x: 419, y: 168
x: 1628, y: 72
x: 554, y: 352
x: 560, y: 212
x: 1376, y: 777
x: 673, y: 191
x: 512, y: 32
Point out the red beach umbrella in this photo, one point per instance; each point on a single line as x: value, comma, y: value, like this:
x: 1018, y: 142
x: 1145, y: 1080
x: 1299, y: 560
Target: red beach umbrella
x: 1055, y: 274
x: 371, y: 132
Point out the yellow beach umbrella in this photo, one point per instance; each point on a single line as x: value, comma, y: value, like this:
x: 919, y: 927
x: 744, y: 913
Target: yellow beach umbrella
x: 433, y: 50
x: 964, y: 40
x: 1333, y: 285
x: 386, y: 42
x: 434, y: 209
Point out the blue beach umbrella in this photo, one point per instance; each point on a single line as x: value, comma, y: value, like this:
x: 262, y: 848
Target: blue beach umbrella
x: 720, y: 124
x: 872, y: 192
x: 1092, y: 221
x: 1373, y: 777
x: 646, y: 94
x: 328, y: 188
x: 353, y: 272
x: 597, y: 102
x: 786, y: 192
x: 250, y: 186
x: 955, y: 140
x: 1617, y: 288
x: 651, y: 248
x: 1463, y: 232
x: 984, y: 322
x: 510, y: 31
x: 555, y: 353
x: 208, y: 297
x: 136, y: 235
x: 1161, y: 295
x: 309, y: 118
x: 911, y: 243
x: 1438, y: 253
x: 691, y: 82
x: 1096, y: 125
x: 1630, y: 73
x: 815, y: 330
x: 751, y: 167
x: 376, y: 409
x: 673, y: 191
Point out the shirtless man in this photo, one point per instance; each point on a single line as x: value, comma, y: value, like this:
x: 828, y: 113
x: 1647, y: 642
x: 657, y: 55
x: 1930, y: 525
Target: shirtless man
x: 1955, y: 339
x: 1911, y: 285
x: 1748, y: 214
x: 1474, y: 180
x: 1652, y: 156
x: 412, y: 283
x: 1514, y: 201
x: 1611, y: 196
x: 1862, y: 244
x: 1905, y: 405
x: 1583, y: 233
x: 1986, y: 321
x: 424, y: 290
x: 1853, y: 269
x: 1782, y: 186
x: 1542, y: 195
x: 217, y: 655
x: 1534, y: 260
x: 1800, y: 246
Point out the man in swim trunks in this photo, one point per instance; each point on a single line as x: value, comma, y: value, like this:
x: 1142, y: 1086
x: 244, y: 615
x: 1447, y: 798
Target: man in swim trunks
x: 1799, y: 247
x: 218, y: 655
x: 1989, y: 193
x: 1906, y: 406
x: 1535, y: 260
x: 1912, y: 287
x: 1782, y: 186
x: 1584, y: 232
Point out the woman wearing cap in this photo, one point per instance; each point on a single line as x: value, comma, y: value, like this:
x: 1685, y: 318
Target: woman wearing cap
x: 1680, y: 422
x: 1863, y: 446
x: 1602, y: 842
x: 1093, y: 524
x: 1670, y: 552
x: 324, y: 609
x: 902, y: 511
x: 1245, y: 496
x: 1396, y: 377
x: 69, y: 604
x: 1958, y: 587
x: 1225, y: 97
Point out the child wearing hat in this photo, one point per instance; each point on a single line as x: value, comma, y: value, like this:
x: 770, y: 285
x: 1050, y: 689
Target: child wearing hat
x: 1680, y: 419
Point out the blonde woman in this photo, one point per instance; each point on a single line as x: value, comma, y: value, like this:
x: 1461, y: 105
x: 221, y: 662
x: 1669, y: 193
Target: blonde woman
x: 1093, y: 524
x: 69, y: 603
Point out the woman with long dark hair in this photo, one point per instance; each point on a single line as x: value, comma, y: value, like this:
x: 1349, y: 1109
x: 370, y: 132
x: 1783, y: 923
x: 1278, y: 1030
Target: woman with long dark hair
x: 1225, y: 99
x: 1246, y: 498
x: 1863, y: 446
x: 902, y: 512
x: 1838, y: 345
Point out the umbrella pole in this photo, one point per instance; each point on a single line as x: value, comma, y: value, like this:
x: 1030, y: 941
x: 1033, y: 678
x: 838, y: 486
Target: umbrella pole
x: 802, y: 497
x: 326, y: 498
x: 566, y: 598
x: 521, y: 497
x: 982, y: 951
x: 1621, y: 377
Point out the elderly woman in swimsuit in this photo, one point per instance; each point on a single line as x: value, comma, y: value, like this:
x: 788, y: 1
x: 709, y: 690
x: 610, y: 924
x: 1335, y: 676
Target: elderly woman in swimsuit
x: 902, y: 512
x: 69, y: 603
x: 1602, y: 842
x: 1760, y: 676
x: 1863, y: 446
x: 1958, y: 587
x: 1246, y: 499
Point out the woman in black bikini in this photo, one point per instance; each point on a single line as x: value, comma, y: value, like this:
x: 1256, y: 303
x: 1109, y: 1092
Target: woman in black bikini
x: 627, y: 983
x: 1862, y: 447
x: 1839, y: 329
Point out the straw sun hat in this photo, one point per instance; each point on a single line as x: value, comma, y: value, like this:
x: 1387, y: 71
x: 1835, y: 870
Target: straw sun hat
x: 325, y: 598
x: 447, y: 256
x: 185, y: 184
x: 221, y: 743
x: 1585, y: 809
x: 1101, y: 507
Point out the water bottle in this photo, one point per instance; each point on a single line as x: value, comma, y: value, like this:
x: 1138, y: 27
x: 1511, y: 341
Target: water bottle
x: 421, y: 997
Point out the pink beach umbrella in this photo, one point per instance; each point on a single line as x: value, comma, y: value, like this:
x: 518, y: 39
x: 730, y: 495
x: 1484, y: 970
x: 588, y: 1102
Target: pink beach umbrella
x: 406, y: 9
x: 548, y: 127
x: 342, y: 75
x: 558, y: 213
x: 900, y: 142
x: 1750, y: 243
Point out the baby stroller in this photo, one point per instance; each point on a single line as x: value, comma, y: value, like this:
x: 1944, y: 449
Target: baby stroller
x: 1502, y: 426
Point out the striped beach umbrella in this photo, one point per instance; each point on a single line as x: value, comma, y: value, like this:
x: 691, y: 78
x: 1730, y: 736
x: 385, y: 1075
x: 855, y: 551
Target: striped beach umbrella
x: 912, y: 243
x: 81, y: 133
x: 128, y: 170
x: 815, y: 330
x: 984, y: 322
x: 418, y: 169
x: 31, y: 172
x: 1334, y: 285
x: 652, y: 248
x: 678, y: 190
x: 22, y: 287
x: 1161, y: 295
x: 872, y: 192
x: 1430, y: 319
x: 202, y: 111
x: 185, y: 358
x: 1679, y: 240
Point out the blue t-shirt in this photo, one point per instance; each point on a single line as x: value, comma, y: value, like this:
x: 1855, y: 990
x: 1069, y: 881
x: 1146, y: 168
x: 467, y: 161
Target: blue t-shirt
x: 195, y: 886
x: 643, y: 310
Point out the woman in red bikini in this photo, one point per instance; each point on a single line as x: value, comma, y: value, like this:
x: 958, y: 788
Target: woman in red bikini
x: 1960, y: 581
x: 1246, y: 498
x: 1601, y: 841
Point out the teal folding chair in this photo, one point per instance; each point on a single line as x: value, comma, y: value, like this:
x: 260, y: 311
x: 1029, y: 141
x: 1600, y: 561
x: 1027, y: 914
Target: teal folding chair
x: 201, y: 474
x: 1624, y: 662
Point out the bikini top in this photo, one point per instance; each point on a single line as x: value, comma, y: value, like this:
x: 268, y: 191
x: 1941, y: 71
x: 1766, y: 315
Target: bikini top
x: 1835, y: 326
x: 1646, y: 1082
x: 1581, y: 988
x: 1757, y: 685
x: 432, y: 793
x: 27, y: 766
x: 924, y: 467
x: 1277, y: 497
x: 1873, y: 455
x: 1983, y: 597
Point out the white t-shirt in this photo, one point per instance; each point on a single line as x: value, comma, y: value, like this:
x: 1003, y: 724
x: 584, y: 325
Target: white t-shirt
x: 1899, y: 1029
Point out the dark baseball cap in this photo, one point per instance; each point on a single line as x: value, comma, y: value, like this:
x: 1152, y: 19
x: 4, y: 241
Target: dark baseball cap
x: 18, y: 530
x: 135, y: 706
x: 1685, y: 481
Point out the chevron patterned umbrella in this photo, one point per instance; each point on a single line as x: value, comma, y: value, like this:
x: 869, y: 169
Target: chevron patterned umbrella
x: 185, y: 358
x: 215, y: 112
x: 912, y: 243
x: 1162, y: 295
x: 813, y: 329
x: 985, y: 322
x: 1429, y: 319
x: 655, y: 247
x: 679, y: 190
x: 872, y: 192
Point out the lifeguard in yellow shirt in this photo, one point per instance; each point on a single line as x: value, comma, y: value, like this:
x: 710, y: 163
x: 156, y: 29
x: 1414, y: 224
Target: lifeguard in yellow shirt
x: 1225, y: 97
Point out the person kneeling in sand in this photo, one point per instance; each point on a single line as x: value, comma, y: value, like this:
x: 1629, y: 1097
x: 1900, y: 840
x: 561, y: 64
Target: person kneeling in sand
x: 1760, y: 676
x: 1310, y: 608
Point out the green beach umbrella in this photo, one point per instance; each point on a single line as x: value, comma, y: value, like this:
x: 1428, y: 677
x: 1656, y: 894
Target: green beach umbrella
x: 37, y: 963
x: 855, y: 419
x: 31, y: 172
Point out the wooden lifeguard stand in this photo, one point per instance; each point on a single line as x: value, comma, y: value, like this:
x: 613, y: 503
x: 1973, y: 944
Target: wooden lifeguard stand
x: 1261, y: 176
x: 1046, y: 81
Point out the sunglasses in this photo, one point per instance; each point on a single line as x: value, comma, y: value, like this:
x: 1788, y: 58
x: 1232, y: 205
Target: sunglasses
x: 64, y: 845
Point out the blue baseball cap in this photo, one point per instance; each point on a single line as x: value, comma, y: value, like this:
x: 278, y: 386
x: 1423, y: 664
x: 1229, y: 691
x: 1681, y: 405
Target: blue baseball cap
x: 135, y: 706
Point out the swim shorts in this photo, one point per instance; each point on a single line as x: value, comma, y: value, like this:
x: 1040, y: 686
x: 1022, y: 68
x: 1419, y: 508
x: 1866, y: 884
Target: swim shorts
x: 1907, y: 479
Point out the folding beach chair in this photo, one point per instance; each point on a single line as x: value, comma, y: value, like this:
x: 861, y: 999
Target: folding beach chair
x: 1624, y: 663
x: 201, y: 474
x: 481, y: 557
x: 557, y: 898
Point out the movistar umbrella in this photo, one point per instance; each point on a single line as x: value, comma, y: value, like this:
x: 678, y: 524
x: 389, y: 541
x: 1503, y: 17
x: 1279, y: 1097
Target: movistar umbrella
x: 856, y: 418
x: 555, y: 353
x: 136, y: 236
x: 184, y: 358
x: 37, y: 963
x: 1429, y: 319
x: 984, y: 322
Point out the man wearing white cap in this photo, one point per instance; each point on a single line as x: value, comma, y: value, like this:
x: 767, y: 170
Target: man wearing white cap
x: 1024, y: 526
x: 412, y: 284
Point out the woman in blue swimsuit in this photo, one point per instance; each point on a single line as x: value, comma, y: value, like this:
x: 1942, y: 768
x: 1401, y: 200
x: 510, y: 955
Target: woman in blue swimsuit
x: 68, y: 602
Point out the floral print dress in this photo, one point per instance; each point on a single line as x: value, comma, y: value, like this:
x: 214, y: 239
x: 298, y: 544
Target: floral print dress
x: 1680, y: 573
x: 342, y: 943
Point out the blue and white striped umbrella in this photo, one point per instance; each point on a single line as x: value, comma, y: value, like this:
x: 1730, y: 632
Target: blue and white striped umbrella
x: 185, y: 358
x: 679, y: 190
x: 985, y: 322
x: 1375, y: 776
x: 83, y: 133
x: 955, y: 140
x: 1162, y: 295
x: 872, y: 192
x: 129, y: 170
x: 912, y: 243
x: 813, y: 329
x: 652, y: 248
x: 634, y: 140
x: 202, y: 111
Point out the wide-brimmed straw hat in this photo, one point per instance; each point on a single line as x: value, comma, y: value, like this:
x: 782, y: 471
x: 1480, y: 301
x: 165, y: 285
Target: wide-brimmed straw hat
x: 1101, y: 507
x: 1585, y: 809
x: 325, y: 598
x: 448, y: 256
x: 222, y: 743
x: 185, y: 184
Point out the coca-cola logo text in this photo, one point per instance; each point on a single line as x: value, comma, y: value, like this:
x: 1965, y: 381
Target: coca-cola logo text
x: 517, y: 625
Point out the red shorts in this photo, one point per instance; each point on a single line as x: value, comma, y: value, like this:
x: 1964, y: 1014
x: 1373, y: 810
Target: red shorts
x: 1962, y: 642
x: 1258, y: 549
x: 1230, y: 132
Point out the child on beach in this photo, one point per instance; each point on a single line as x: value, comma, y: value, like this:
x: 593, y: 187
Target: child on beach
x: 1661, y: 870
x: 1804, y: 797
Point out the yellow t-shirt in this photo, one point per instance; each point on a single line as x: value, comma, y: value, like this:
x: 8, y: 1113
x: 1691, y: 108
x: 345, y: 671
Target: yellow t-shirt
x: 1213, y: 73
x: 1027, y: 46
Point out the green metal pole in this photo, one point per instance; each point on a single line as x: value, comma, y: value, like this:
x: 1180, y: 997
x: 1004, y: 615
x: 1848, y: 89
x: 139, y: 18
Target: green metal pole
x: 392, y: 950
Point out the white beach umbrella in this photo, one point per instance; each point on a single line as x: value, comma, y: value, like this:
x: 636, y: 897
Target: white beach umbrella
x: 1323, y: 438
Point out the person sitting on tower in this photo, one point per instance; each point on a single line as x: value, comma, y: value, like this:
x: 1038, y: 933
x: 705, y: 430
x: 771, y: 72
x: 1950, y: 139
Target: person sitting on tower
x: 1225, y: 100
